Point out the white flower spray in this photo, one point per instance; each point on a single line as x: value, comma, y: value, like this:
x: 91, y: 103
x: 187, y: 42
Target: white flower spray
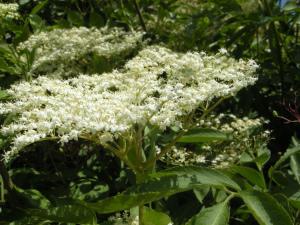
x: 157, y: 88
x: 67, y: 52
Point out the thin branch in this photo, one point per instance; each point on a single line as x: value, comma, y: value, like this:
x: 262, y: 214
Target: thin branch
x: 138, y: 11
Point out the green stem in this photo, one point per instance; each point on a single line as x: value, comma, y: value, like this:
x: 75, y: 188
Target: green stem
x: 140, y: 178
x: 141, y: 215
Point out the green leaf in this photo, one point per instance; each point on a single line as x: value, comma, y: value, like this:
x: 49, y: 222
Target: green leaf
x: 152, y: 217
x: 199, y: 175
x: 201, y: 192
x: 65, y: 214
x: 5, y: 67
x: 297, y: 18
x: 263, y: 157
x: 5, y: 49
x: 295, y: 166
x: 283, y: 158
x: 248, y: 6
x: 203, y: 135
x: 245, y: 158
x: 215, y: 215
x: 219, y: 195
x: 265, y: 209
x: 36, y: 22
x: 163, y: 184
x: 250, y: 174
x: 23, y: 2
x: 123, y: 201
x: 39, y: 7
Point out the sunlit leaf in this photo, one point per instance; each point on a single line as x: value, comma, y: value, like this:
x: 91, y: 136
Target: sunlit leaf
x: 163, y: 184
x: 265, y: 209
x: 215, y: 215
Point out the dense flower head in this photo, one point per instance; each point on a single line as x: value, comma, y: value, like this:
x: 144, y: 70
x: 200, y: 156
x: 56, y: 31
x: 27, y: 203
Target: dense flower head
x: 158, y: 87
x: 9, y: 11
x: 65, y: 52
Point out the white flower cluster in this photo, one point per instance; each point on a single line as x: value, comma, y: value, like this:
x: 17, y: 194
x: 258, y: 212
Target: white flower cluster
x: 222, y: 154
x: 67, y: 52
x: 157, y: 87
x: 9, y: 11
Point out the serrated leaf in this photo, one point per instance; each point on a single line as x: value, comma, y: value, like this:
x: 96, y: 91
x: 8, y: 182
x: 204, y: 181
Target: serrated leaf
x: 215, y: 215
x: 203, y: 135
x: 164, y: 183
x: 265, y: 209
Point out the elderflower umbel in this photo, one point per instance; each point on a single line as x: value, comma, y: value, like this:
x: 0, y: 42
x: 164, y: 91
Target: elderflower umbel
x: 9, y: 11
x: 158, y: 87
x: 66, y: 52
